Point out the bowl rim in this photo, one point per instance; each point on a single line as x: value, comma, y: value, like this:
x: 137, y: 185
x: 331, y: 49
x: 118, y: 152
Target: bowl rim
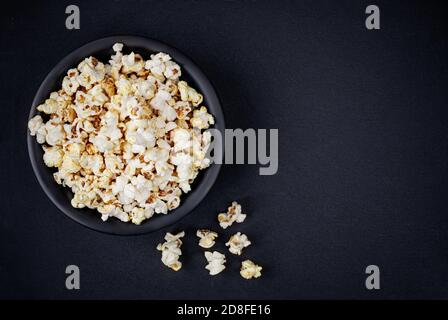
x: 194, y: 197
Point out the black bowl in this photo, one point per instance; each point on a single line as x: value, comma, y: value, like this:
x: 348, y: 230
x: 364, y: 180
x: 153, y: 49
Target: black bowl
x: 61, y: 197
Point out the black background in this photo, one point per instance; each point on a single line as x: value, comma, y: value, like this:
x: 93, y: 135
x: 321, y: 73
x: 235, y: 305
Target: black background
x: 362, y: 150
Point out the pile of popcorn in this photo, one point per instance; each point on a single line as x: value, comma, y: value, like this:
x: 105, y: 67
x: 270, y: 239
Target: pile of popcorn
x: 216, y: 261
x: 127, y: 137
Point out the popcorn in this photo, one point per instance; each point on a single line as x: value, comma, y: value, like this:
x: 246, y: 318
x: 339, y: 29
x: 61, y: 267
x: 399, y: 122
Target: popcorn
x: 55, y: 133
x: 53, y: 156
x: 250, y: 270
x: 201, y: 119
x: 216, y: 262
x: 232, y: 215
x: 172, y: 70
x: 132, y: 63
x: 90, y: 71
x: 126, y: 137
x: 35, y: 124
x: 237, y: 243
x: 69, y: 165
x: 70, y: 84
x: 50, y: 106
x: 37, y: 128
x: 181, y: 138
x: 171, y: 250
x: 189, y: 94
x: 160, y: 102
x: 207, y: 238
x: 157, y: 65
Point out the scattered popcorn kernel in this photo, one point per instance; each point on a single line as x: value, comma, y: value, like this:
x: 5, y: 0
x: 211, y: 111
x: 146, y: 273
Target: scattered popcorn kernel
x: 201, y: 118
x: 117, y: 47
x: 206, y: 238
x: 35, y: 124
x: 232, y: 215
x: 237, y: 243
x: 216, y: 262
x: 250, y: 270
x: 189, y: 94
x: 171, y: 250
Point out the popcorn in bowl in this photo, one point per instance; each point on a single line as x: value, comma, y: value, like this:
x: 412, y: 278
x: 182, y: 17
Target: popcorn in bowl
x: 206, y: 238
x: 233, y: 214
x: 127, y: 137
x: 215, y: 262
x: 237, y: 243
x: 171, y: 251
x: 250, y: 270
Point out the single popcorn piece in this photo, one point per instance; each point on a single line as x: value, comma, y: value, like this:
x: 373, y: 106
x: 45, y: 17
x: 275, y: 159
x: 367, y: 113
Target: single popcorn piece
x: 127, y: 137
x: 189, y: 94
x: 53, y: 156
x: 216, y: 262
x: 250, y: 270
x: 117, y: 47
x: 35, y: 124
x: 237, y: 243
x: 171, y: 250
x: 202, y: 119
x: 206, y: 238
x: 232, y: 215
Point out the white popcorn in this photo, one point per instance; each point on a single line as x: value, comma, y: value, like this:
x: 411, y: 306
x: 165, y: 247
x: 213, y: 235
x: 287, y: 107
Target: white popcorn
x: 124, y: 136
x: 232, y: 215
x: 69, y: 165
x: 144, y: 88
x: 182, y: 139
x: 172, y: 70
x: 53, y: 156
x: 187, y: 93
x: 216, y: 262
x: 157, y: 64
x: 50, y: 106
x: 206, y: 238
x: 250, y: 270
x: 132, y: 63
x: 70, y: 83
x: 55, y: 133
x: 35, y: 124
x: 41, y: 134
x: 117, y: 47
x: 160, y: 102
x: 171, y: 250
x: 237, y: 243
x: 90, y: 71
x: 201, y: 118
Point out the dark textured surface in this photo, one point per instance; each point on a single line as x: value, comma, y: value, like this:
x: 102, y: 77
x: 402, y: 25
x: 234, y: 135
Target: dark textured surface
x: 363, y: 151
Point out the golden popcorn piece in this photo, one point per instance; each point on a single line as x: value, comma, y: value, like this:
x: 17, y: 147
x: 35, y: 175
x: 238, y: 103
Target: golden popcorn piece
x: 53, y: 156
x: 250, y: 270
x: 232, y: 215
